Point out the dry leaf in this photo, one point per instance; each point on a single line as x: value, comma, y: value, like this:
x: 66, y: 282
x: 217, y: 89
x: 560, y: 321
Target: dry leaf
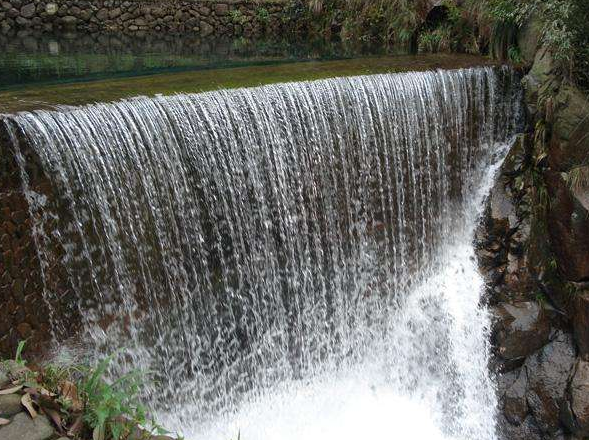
x: 54, y: 415
x: 28, y: 404
x: 11, y: 390
x: 4, y: 421
x: 69, y: 391
x: 98, y: 433
x: 45, y: 392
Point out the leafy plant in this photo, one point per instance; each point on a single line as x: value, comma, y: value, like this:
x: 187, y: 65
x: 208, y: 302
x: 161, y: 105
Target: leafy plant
x: 514, y: 54
x: 18, y: 356
x: 237, y: 16
x: 262, y: 15
x: 113, y: 409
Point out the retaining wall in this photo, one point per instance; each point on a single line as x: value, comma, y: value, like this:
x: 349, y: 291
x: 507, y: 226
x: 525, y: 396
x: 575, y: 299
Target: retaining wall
x: 204, y: 17
x: 27, y: 286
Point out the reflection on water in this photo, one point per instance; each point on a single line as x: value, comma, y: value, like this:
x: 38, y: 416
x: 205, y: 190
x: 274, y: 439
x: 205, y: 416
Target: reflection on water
x: 29, y: 57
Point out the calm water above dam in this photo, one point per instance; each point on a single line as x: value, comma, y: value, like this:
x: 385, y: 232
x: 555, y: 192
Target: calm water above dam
x: 29, y: 57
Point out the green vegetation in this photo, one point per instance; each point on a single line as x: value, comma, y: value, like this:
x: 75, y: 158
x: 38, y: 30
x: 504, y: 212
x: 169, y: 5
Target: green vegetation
x: 471, y: 26
x: 80, y: 401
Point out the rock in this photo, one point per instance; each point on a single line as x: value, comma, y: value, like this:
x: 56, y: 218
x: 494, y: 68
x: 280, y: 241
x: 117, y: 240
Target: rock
x: 51, y: 8
x: 522, y: 329
x: 221, y: 9
x: 576, y: 414
x: 22, y: 427
x: 502, y: 209
x: 68, y: 21
x: 569, y: 145
x: 205, y: 29
x: 580, y: 318
x: 540, y: 79
x: 22, y: 21
x: 527, y: 430
x: 28, y: 11
x: 548, y: 371
x: 4, y: 380
x: 13, y: 369
x: 102, y: 14
x: 10, y: 405
x: 568, y: 226
x: 515, y: 407
x: 114, y: 13
x: 528, y: 37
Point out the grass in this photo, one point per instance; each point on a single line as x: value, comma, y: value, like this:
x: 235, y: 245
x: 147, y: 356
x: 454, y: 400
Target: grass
x: 578, y: 178
x: 204, y: 80
x: 81, y: 402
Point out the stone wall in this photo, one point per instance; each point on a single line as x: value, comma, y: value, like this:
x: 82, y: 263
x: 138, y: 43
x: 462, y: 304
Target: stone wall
x: 27, y: 286
x: 205, y: 17
x: 533, y: 247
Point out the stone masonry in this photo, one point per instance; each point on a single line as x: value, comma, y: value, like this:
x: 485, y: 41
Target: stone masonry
x: 233, y: 18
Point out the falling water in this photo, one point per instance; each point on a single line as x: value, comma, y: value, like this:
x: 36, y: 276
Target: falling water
x: 293, y: 261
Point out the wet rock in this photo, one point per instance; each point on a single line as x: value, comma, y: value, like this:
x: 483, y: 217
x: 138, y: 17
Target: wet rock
x: 527, y: 430
x: 521, y: 329
x: 576, y: 413
x: 548, y: 371
x: 502, y: 209
x: 580, y: 318
x: 568, y: 225
x: 23, y: 427
x: 10, y: 405
x: 515, y: 406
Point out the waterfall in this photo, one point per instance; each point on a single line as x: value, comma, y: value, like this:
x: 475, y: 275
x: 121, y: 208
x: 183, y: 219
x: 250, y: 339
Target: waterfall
x: 287, y: 259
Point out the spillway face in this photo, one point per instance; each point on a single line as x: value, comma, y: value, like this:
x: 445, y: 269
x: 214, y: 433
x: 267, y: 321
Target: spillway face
x: 243, y: 244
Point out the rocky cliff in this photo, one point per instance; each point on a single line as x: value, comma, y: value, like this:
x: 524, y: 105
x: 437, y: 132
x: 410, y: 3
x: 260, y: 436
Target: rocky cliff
x: 533, y: 247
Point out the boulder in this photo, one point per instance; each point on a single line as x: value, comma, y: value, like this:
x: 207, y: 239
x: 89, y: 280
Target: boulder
x: 568, y: 226
x: 23, y: 427
x: 528, y: 37
x: 10, y: 405
x: 576, y: 414
x: 521, y: 329
x: 540, y: 80
x: 515, y: 407
x: 548, y: 371
x: 569, y: 145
